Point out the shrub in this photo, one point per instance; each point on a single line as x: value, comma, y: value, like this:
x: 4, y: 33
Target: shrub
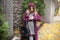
x: 3, y: 26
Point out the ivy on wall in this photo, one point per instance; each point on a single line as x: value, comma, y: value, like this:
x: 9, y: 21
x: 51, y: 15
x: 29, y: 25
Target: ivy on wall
x: 40, y: 6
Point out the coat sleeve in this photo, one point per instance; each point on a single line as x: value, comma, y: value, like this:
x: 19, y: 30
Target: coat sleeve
x: 37, y: 17
x: 25, y: 17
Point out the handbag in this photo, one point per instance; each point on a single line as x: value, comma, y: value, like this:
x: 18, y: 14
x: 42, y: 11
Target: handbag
x: 23, y: 31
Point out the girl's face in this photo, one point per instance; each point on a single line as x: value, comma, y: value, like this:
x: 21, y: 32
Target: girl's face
x: 31, y: 9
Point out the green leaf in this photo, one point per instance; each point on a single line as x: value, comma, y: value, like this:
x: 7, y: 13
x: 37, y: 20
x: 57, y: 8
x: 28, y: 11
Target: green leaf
x: 5, y: 25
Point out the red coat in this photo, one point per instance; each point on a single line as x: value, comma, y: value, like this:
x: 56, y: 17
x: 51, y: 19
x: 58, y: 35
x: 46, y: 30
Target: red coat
x: 37, y: 17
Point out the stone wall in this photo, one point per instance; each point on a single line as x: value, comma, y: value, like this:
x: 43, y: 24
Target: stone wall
x: 16, y: 14
x: 8, y: 10
x: 12, y: 11
x: 50, y: 9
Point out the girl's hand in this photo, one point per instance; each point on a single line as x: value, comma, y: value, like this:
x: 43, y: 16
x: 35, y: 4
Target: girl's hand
x: 27, y: 11
x: 31, y: 18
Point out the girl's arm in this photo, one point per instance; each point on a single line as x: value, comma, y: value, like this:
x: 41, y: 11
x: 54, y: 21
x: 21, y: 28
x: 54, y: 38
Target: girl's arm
x: 25, y: 17
x: 37, y: 17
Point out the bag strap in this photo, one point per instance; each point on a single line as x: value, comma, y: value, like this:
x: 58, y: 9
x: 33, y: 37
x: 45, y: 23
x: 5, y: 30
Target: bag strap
x: 40, y: 25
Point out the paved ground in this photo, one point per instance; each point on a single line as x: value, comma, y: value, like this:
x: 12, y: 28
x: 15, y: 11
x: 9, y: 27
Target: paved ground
x: 49, y: 31
x: 16, y: 38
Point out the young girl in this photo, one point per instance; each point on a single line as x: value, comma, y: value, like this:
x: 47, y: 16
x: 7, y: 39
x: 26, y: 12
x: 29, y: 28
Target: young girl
x: 30, y: 17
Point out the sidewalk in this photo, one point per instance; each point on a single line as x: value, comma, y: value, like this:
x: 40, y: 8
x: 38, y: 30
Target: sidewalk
x: 49, y: 31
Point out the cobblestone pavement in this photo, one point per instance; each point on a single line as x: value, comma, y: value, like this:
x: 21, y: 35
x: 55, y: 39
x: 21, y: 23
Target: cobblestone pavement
x: 49, y: 31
